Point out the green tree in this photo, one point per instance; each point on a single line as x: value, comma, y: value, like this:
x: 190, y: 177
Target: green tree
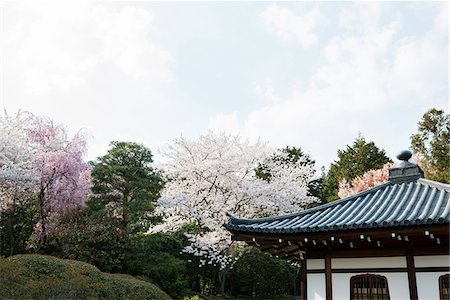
x: 292, y: 155
x: 352, y: 162
x: 17, y: 222
x: 125, y: 185
x: 286, y: 155
x: 157, y: 256
x: 95, y: 239
x: 432, y: 143
x: 257, y: 274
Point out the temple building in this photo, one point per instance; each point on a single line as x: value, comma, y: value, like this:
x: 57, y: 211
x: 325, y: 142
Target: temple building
x: 388, y: 242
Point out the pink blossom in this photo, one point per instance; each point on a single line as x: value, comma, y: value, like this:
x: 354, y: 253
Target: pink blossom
x: 364, y: 182
x: 37, y: 156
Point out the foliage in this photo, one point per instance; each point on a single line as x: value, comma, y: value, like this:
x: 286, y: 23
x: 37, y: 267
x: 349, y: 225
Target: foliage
x: 215, y: 175
x: 291, y: 156
x: 432, y: 143
x: 259, y: 275
x: 97, y: 240
x: 64, y: 178
x: 37, y: 158
x: 156, y: 256
x: 364, y: 182
x: 46, y: 277
x: 125, y: 185
x: 285, y: 156
x: 352, y: 162
x: 17, y: 176
x: 16, y: 226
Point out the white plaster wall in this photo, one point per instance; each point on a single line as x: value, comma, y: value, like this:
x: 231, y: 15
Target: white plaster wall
x: 315, y: 264
x: 397, y: 282
x: 428, y: 285
x: 368, y: 262
x: 316, y: 287
x: 432, y: 261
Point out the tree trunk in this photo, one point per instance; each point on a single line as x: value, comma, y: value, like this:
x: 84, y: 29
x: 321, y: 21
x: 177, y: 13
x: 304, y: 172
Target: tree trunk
x: 11, y: 228
x: 125, y: 213
x: 222, y: 275
x: 43, y: 238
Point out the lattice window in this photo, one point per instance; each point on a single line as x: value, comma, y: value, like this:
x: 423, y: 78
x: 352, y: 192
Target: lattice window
x: 369, y: 287
x: 444, y: 287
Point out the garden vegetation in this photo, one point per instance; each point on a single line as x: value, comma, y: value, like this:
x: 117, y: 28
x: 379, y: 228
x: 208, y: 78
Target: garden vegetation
x: 70, y: 228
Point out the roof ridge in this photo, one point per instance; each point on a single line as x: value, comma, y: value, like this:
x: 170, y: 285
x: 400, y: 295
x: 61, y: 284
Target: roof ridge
x: 436, y: 184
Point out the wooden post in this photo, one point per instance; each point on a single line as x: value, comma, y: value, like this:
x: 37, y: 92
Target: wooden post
x: 411, y: 274
x: 328, y: 278
x: 303, y: 281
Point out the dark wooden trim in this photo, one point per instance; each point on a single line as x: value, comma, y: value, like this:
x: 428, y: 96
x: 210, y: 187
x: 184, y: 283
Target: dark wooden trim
x: 361, y: 270
x: 328, y: 277
x: 303, y: 281
x: 433, y: 269
x: 382, y: 270
x: 412, y: 282
x: 353, y: 233
x: 382, y: 252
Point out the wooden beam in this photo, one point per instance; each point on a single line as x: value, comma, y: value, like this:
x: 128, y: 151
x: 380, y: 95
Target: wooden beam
x: 328, y: 277
x: 349, y: 234
x: 303, y: 280
x: 411, y: 274
x: 379, y: 252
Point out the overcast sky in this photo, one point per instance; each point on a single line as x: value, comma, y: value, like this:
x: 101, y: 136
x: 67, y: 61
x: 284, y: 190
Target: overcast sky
x: 311, y: 75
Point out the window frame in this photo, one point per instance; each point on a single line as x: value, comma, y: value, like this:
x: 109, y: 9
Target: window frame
x: 442, y: 279
x: 368, y: 277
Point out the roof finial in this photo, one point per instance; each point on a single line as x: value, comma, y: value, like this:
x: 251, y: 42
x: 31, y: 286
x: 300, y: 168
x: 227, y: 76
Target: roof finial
x: 405, y: 155
x: 405, y: 171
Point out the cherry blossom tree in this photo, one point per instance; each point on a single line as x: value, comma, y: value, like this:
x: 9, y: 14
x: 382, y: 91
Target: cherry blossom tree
x: 17, y: 182
x: 366, y: 181
x: 17, y: 175
x: 63, y: 176
x: 214, y: 175
x: 37, y: 158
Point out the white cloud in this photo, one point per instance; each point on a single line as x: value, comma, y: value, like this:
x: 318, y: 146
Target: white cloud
x: 56, y: 46
x: 288, y: 25
x: 363, y: 17
x: 367, y: 73
x: 224, y: 122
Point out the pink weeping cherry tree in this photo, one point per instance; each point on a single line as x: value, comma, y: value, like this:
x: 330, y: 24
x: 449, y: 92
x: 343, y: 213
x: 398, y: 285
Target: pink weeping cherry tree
x: 38, y: 158
x: 63, y: 176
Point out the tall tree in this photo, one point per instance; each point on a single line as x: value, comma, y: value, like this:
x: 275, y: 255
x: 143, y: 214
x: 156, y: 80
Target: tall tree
x: 292, y: 156
x: 37, y: 158
x: 365, y: 181
x: 125, y: 185
x: 431, y: 142
x: 64, y: 177
x: 352, y: 162
x: 17, y: 174
x: 214, y: 175
x: 18, y: 181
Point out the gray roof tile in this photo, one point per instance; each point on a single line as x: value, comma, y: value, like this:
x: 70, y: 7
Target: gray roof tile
x: 389, y: 204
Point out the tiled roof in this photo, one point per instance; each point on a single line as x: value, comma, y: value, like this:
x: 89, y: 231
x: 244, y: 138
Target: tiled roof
x: 391, y: 204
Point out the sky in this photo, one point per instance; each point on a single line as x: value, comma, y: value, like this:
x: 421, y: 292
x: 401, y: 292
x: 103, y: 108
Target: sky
x: 314, y: 75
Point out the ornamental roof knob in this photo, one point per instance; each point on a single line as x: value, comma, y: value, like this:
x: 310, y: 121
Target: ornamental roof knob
x: 405, y: 171
x: 405, y: 155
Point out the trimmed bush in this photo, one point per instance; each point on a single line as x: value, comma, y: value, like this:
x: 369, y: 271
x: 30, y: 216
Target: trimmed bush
x: 45, y: 277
